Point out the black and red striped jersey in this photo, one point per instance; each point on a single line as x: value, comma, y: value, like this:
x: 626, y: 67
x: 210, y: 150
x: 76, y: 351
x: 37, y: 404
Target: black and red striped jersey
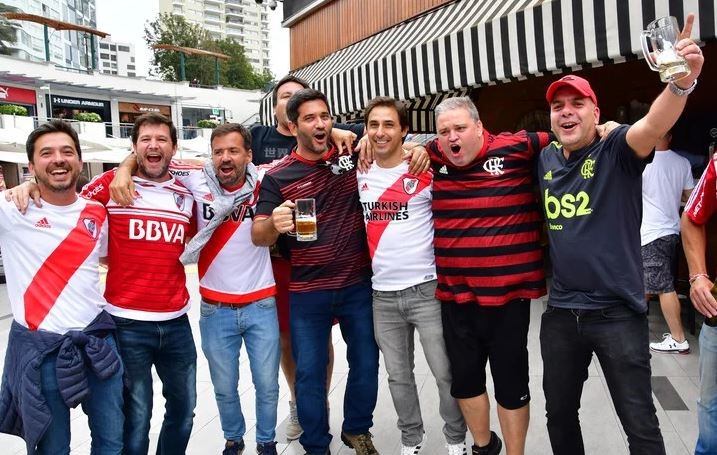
x: 339, y: 256
x: 487, y: 222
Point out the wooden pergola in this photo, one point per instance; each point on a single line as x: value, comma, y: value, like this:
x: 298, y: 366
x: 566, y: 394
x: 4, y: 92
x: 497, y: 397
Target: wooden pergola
x: 192, y: 51
x: 57, y: 25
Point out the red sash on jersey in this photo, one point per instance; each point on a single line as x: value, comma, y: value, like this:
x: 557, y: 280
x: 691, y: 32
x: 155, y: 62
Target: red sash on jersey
x: 216, y: 243
x: 394, y: 193
x: 61, y: 265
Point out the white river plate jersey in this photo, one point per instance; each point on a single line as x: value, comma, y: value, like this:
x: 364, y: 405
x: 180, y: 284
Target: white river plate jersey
x: 51, y: 258
x: 399, y: 226
x: 231, y: 269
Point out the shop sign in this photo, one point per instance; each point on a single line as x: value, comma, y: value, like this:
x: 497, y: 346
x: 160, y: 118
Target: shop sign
x: 17, y: 95
x: 137, y: 108
x: 65, y: 101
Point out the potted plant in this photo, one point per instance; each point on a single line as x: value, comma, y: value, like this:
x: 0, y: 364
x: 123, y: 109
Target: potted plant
x: 14, y: 116
x: 90, y: 124
x: 207, y: 126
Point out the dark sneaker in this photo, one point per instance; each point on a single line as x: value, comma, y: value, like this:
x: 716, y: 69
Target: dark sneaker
x: 266, y: 448
x: 233, y: 447
x: 361, y: 443
x: 493, y: 447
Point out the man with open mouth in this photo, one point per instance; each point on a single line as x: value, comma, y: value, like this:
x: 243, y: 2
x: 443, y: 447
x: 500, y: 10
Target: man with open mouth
x: 592, y: 201
x: 489, y: 265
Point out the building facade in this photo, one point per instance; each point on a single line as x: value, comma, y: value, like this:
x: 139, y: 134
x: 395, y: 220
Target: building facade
x: 117, y: 58
x: 244, y: 21
x: 68, y: 49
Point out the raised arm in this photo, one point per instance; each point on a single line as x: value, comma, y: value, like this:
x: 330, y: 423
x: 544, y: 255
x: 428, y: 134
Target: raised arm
x: 667, y: 108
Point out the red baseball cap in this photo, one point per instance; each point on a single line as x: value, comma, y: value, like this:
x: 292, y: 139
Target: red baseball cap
x: 576, y: 82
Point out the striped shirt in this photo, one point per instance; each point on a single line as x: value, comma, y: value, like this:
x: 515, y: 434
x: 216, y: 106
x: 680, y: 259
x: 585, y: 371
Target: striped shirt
x: 339, y: 256
x: 145, y: 280
x: 487, y: 222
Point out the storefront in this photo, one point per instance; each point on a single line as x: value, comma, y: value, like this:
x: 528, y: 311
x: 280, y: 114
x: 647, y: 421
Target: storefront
x: 130, y: 111
x: 66, y: 107
x: 20, y: 97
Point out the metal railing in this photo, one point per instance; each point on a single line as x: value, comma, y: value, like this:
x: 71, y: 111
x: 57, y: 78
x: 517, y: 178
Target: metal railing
x: 103, y: 129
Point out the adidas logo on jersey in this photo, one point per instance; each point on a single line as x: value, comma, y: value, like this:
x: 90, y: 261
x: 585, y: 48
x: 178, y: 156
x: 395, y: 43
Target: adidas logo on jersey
x: 364, y: 187
x: 443, y: 169
x: 548, y: 175
x: 43, y: 223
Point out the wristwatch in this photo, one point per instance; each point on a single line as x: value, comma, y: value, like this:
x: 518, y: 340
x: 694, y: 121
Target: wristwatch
x: 682, y: 91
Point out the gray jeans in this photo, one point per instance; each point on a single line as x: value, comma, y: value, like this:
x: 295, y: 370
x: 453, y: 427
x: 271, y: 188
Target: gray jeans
x: 396, y: 314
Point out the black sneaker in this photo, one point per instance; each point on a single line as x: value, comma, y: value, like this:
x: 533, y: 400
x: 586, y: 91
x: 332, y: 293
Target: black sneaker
x: 234, y: 447
x: 266, y: 448
x: 493, y: 447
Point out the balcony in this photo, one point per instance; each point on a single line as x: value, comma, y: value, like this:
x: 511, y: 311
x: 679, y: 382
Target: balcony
x: 212, y: 19
x: 234, y: 13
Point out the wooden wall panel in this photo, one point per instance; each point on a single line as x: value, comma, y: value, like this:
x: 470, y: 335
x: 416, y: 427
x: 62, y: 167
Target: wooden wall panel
x: 343, y: 22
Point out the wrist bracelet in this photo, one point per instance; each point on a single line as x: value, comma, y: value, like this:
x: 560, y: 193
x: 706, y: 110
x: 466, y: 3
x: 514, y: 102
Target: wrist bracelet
x: 698, y: 275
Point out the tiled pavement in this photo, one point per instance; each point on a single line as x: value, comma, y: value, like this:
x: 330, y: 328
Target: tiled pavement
x: 601, y: 428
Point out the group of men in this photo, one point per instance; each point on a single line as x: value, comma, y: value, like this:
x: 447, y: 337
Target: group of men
x: 452, y: 252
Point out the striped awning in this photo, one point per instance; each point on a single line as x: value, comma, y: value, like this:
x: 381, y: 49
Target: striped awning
x: 471, y: 43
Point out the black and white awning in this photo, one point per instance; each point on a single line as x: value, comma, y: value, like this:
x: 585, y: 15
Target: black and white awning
x: 470, y: 43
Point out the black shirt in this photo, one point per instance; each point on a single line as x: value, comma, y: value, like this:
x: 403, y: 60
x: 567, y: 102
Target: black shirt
x: 268, y: 144
x: 593, y: 209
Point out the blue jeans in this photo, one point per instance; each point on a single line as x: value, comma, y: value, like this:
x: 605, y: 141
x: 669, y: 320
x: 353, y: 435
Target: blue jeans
x: 311, y: 317
x: 103, y: 408
x: 707, y: 402
x: 619, y: 337
x: 169, y: 346
x: 223, y: 329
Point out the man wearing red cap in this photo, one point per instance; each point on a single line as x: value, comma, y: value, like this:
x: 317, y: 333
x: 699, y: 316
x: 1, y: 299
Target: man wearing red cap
x: 592, y: 202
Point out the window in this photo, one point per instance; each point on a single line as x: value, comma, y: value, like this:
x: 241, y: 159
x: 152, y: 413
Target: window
x: 113, y: 58
x: 131, y: 75
x: 123, y: 48
x: 104, y: 46
x: 130, y: 67
x: 105, y: 56
x: 106, y: 64
x: 131, y: 59
x: 113, y: 47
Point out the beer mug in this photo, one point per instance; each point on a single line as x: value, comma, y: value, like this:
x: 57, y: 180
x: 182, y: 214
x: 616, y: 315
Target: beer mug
x: 663, y: 34
x: 306, y: 220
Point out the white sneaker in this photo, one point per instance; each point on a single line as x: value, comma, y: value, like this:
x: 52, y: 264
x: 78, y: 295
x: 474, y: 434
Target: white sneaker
x: 414, y: 450
x: 457, y: 449
x: 670, y: 346
x: 293, y: 428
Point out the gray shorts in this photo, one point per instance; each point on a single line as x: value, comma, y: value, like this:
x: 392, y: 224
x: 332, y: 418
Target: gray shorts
x: 658, y: 261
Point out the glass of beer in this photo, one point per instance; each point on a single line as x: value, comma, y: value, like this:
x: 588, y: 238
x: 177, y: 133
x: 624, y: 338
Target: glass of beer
x: 658, y: 46
x: 306, y: 220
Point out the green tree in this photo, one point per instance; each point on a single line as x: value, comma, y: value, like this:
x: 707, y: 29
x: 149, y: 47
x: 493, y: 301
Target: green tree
x: 237, y: 71
x: 8, y: 31
x: 175, y: 30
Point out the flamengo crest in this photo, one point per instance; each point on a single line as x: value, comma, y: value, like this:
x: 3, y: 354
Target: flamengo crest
x: 494, y: 165
x: 410, y: 185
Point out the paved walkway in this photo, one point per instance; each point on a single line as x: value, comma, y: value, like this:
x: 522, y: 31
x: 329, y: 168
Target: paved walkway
x: 675, y: 386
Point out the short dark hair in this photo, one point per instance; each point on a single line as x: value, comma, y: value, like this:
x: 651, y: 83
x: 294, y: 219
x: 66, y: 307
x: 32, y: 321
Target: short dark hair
x: 386, y: 101
x: 153, y: 118
x: 53, y: 126
x: 228, y: 128
x: 303, y: 96
x: 284, y: 80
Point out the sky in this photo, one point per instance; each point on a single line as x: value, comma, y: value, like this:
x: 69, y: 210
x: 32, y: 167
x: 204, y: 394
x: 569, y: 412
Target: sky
x: 125, y: 21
